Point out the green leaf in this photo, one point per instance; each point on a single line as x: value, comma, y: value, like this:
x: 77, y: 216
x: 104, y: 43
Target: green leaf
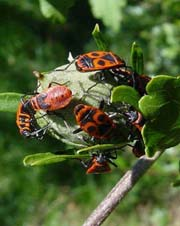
x: 49, y: 11
x: 161, y: 108
x: 100, y: 147
x: 48, y: 158
x: 137, y: 59
x: 125, y: 94
x: 9, y: 101
x: 109, y: 11
x: 99, y: 39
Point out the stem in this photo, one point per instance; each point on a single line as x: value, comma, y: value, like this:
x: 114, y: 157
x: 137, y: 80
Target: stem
x: 119, y: 191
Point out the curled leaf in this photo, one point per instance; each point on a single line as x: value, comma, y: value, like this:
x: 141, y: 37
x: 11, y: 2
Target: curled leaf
x: 161, y: 108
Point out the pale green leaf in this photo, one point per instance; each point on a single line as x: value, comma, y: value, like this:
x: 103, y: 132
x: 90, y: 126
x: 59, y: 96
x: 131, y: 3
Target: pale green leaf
x: 109, y: 11
x: 49, y: 11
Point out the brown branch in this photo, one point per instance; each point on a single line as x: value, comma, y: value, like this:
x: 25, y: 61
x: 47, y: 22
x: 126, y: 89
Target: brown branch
x: 120, y: 190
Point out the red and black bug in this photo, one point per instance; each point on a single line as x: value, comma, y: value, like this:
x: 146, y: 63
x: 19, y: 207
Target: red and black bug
x: 99, y: 162
x: 135, y: 119
x: 111, y: 63
x: 51, y: 99
x: 93, y: 121
x: 138, y: 148
x: 138, y: 121
x: 98, y: 60
x: 27, y: 124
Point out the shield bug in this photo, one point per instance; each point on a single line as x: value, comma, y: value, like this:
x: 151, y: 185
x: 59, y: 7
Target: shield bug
x: 93, y: 121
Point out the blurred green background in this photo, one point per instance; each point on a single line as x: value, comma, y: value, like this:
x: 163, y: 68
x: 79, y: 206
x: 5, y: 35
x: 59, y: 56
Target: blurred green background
x: 38, y: 35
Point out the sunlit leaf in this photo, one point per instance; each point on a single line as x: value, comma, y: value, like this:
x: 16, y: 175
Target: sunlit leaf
x: 49, y: 11
x: 109, y: 11
x: 125, y: 94
x: 99, y: 38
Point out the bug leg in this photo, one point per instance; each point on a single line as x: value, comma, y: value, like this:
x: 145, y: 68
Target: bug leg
x: 100, y: 76
x: 40, y: 132
x: 86, y: 92
x: 133, y: 80
x: 86, y: 163
x: 58, y: 115
x: 29, y: 94
x: 77, y: 130
x: 64, y: 69
x: 110, y: 155
x: 50, y: 84
x: 101, y: 104
x: 112, y: 163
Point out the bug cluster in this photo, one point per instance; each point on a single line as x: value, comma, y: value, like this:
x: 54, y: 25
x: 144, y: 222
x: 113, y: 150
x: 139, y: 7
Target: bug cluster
x: 94, y: 121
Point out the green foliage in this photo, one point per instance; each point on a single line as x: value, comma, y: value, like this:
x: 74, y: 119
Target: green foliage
x: 49, y: 11
x: 39, y: 159
x: 48, y: 158
x: 125, y: 94
x: 100, y: 147
x: 161, y: 107
x: 99, y: 39
x: 110, y: 12
x: 9, y: 102
x: 137, y: 59
x: 62, y: 192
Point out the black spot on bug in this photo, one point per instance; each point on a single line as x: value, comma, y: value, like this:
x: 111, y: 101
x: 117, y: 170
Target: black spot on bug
x: 94, y: 54
x: 109, y: 58
x: 91, y: 129
x: 101, y: 117
x: 101, y: 62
